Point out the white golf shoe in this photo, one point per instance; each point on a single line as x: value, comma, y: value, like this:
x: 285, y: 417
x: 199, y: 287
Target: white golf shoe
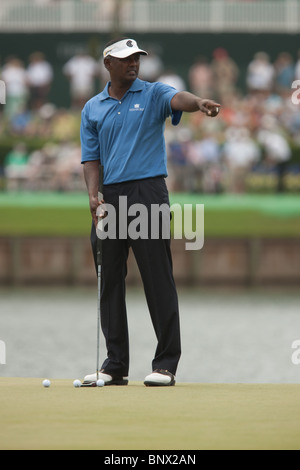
x: 160, y: 378
x: 107, y: 379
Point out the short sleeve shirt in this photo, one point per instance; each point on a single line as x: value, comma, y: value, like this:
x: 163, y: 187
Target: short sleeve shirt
x: 127, y: 135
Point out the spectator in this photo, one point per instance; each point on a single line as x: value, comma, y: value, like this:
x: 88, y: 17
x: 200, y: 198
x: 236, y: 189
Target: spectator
x: 65, y: 125
x: 260, y: 74
x: 14, y: 76
x: 21, y: 122
x: 225, y: 73
x: 209, y: 151
x: 82, y: 71
x: 240, y: 152
x: 15, y: 167
x: 151, y: 66
x: 42, y: 168
x: 169, y: 77
x: 39, y: 76
x: 289, y: 120
x: 202, y: 156
x: 276, y: 147
x: 178, y: 147
x: 284, y: 73
x: 68, y: 169
x: 201, y: 77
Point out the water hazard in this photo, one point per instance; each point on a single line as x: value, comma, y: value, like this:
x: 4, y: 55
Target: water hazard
x: 227, y: 336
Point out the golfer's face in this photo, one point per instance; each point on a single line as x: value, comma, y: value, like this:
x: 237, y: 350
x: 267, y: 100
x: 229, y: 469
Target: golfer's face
x: 124, y: 69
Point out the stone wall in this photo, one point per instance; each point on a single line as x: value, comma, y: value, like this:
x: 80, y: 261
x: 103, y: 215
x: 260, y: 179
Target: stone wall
x: 222, y: 261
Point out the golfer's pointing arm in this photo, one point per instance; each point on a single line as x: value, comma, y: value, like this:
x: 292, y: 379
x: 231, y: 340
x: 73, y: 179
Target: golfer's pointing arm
x: 187, y: 102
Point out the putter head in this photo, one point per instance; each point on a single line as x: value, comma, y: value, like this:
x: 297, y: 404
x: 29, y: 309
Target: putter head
x: 89, y: 384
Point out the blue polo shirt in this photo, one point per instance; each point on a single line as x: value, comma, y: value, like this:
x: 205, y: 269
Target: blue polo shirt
x: 127, y: 135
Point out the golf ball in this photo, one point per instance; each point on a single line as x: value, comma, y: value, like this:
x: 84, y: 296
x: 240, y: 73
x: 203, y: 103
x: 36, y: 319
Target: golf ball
x: 46, y: 383
x: 100, y: 383
x: 77, y: 383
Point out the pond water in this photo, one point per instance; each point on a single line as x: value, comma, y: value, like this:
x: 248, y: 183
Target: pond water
x: 228, y: 336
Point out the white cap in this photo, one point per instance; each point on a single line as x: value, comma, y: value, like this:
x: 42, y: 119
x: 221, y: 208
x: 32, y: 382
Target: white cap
x: 122, y: 49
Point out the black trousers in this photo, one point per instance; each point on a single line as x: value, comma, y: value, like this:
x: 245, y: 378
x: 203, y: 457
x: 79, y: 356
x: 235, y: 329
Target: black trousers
x: 154, y: 260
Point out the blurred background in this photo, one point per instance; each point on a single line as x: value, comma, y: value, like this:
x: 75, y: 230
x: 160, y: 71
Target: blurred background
x: 242, y: 288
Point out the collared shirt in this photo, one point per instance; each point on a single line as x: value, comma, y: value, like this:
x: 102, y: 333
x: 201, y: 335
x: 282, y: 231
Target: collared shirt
x: 127, y: 135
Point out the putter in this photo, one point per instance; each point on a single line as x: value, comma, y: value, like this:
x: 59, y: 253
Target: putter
x: 88, y: 384
x: 99, y: 267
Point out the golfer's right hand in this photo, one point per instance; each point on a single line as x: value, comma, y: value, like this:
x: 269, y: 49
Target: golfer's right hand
x: 95, y: 212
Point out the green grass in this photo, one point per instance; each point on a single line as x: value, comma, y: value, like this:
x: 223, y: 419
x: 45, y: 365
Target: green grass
x: 60, y: 221
x: 46, y: 221
x: 250, y: 223
x: 54, y: 214
x: 184, y: 417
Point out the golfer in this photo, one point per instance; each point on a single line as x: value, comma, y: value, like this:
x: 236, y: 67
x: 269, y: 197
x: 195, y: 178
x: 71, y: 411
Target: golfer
x: 123, y: 128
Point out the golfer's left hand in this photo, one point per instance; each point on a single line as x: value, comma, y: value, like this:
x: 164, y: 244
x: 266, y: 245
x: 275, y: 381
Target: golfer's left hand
x: 210, y: 108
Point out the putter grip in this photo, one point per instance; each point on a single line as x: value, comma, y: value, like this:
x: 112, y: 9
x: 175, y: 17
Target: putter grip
x: 100, y: 196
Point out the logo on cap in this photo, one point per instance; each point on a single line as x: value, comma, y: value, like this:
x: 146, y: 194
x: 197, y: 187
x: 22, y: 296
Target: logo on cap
x: 129, y: 43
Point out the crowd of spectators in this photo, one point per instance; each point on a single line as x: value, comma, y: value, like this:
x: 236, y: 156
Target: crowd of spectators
x: 247, y: 148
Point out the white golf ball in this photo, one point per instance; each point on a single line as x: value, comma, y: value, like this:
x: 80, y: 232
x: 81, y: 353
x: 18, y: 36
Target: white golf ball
x: 77, y: 383
x: 46, y: 383
x: 100, y: 383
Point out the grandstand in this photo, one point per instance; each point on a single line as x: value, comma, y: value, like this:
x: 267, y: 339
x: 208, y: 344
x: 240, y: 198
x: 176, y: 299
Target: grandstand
x: 279, y: 16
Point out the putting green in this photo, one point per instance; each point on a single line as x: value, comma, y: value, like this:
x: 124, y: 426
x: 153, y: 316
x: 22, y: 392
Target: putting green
x: 184, y: 417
